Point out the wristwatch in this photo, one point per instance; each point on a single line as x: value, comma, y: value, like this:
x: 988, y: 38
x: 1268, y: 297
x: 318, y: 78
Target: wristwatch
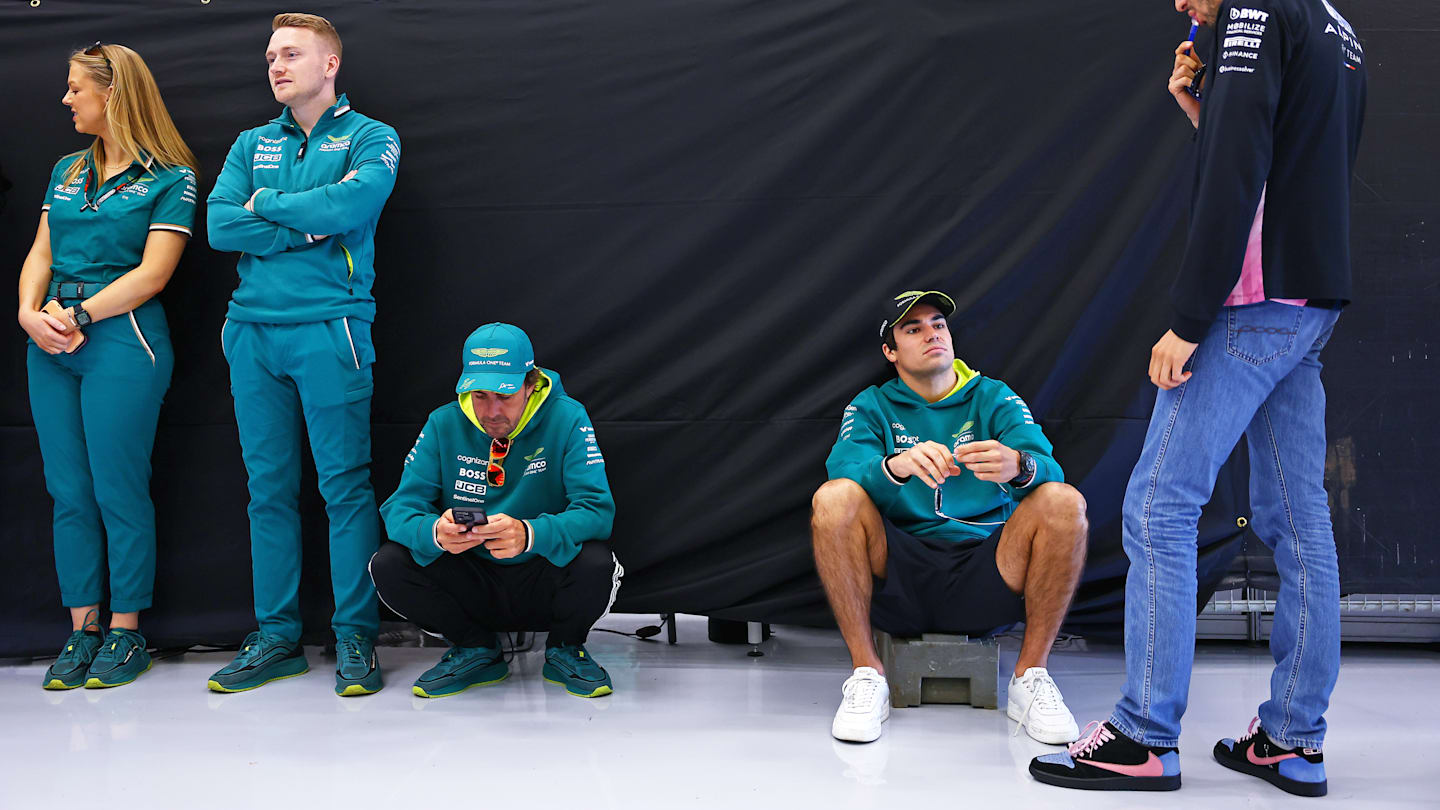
x: 78, y: 316
x: 1027, y: 471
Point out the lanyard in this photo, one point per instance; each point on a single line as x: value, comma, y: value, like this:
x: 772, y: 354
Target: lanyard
x: 94, y: 205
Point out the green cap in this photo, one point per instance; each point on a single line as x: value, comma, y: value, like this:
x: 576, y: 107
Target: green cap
x: 895, y: 308
x: 496, y: 358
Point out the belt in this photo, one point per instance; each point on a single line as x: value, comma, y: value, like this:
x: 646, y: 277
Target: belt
x: 76, y: 289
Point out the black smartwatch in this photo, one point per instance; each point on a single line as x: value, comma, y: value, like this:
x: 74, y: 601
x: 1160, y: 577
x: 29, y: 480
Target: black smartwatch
x: 79, y: 315
x: 1027, y: 470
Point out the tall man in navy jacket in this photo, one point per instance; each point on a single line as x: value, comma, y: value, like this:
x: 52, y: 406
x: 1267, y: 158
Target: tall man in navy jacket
x: 1265, y: 273
x: 299, y: 198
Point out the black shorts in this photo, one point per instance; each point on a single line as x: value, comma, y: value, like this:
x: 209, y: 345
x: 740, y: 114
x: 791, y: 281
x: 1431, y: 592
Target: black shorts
x: 940, y: 586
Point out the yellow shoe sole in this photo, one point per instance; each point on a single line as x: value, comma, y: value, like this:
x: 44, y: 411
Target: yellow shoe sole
x: 599, y: 691
x: 56, y: 683
x: 355, y: 689
x: 216, y: 687
x: 418, y: 692
x: 96, y: 683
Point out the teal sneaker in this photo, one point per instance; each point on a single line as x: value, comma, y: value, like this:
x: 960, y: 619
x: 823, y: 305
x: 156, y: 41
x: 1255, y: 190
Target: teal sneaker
x: 357, y: 668
x: 572, y: 667
x: 461, y: 668
x: 73, y: 663
x: 262, y: 658
x: 121, y: 659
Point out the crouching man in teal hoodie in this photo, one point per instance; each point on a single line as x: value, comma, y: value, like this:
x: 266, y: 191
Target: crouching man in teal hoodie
x: 945, y: 512
x: 501, y: 523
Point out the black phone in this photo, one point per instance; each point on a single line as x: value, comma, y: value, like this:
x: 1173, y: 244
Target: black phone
x: 470, y: 517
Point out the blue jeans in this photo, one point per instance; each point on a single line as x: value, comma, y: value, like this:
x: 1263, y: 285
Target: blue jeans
x: 1256, y: 373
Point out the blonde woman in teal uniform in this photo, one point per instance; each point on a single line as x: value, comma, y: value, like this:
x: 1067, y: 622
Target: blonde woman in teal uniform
x: 115, y: 221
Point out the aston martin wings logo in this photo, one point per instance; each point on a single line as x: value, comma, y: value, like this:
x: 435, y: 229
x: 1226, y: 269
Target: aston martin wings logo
x: 339, y: 138
x: 963, y: 429
x: 488, y: 352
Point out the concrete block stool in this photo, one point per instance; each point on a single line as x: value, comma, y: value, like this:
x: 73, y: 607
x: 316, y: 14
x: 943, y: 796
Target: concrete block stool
x: 939, y: 668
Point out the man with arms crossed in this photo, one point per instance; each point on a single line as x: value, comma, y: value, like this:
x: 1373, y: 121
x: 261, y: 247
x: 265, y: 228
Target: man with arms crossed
x: 945, y: 512
x: 299, y: 198
x: 1265, y: 271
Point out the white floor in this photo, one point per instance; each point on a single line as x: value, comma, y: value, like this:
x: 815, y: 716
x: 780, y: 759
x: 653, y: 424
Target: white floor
x: 691, y: 726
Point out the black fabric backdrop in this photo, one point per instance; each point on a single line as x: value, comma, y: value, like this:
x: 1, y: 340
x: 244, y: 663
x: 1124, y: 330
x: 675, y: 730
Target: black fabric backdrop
x: 693, y: 209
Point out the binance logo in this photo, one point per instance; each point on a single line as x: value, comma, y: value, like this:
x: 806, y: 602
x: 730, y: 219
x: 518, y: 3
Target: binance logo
x: 488, y: 352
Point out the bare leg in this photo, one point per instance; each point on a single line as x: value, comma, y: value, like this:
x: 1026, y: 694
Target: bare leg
x: 85, y: 618
x: 1041, y: 554
x: 849, y: 541
x: 125, y: 621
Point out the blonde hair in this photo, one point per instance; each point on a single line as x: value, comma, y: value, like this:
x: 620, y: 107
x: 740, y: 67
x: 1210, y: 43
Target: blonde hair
x: 135, y: 114
x: 314, y: 22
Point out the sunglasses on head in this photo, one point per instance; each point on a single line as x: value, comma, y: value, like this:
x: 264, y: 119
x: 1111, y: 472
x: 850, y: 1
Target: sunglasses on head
x: 495, y: 470
x: 99, y: 50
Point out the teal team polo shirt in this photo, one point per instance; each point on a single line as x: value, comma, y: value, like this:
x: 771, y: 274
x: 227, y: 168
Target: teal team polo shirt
x: 98, y: 234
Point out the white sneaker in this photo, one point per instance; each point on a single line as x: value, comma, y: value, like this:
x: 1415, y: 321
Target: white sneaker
x: 1035, y: 703
x: 865, y: 707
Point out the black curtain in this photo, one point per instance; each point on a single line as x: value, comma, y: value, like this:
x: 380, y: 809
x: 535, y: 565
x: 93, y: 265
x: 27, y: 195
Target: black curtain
x: 694, y: 208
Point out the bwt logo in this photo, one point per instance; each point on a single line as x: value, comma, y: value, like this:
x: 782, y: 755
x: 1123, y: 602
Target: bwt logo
x: 1249, y: 14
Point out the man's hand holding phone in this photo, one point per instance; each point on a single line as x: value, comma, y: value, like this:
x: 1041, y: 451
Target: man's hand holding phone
x: 504, y: 537
x: 453, y: 536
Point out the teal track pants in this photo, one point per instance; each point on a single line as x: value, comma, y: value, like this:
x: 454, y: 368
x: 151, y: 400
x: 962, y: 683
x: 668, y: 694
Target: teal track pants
x: 95, y: 413
x: 289, y: 380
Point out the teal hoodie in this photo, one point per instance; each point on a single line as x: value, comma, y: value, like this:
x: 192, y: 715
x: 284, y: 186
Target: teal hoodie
x: 889, y: 418
x: 308, y: 249
x: 554, y: 478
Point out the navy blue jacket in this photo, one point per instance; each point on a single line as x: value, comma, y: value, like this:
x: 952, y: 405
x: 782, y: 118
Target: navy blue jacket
x: 1283, y: 104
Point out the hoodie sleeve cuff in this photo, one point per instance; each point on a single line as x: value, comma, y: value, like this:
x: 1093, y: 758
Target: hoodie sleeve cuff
x: 890, y: 476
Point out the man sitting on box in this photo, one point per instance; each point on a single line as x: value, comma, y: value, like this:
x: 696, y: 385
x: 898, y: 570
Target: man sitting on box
x: 945, y: 512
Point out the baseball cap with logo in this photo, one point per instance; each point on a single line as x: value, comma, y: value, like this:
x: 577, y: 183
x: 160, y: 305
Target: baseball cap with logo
x: 896, y: 308
x: 496, y: 358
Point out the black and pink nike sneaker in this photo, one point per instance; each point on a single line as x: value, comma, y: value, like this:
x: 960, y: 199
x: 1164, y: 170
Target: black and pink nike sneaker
x: 1105, y: 759
x: 1300, y: 771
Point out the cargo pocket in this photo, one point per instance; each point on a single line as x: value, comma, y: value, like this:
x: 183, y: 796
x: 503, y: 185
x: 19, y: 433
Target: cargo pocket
x: 357, y: 424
